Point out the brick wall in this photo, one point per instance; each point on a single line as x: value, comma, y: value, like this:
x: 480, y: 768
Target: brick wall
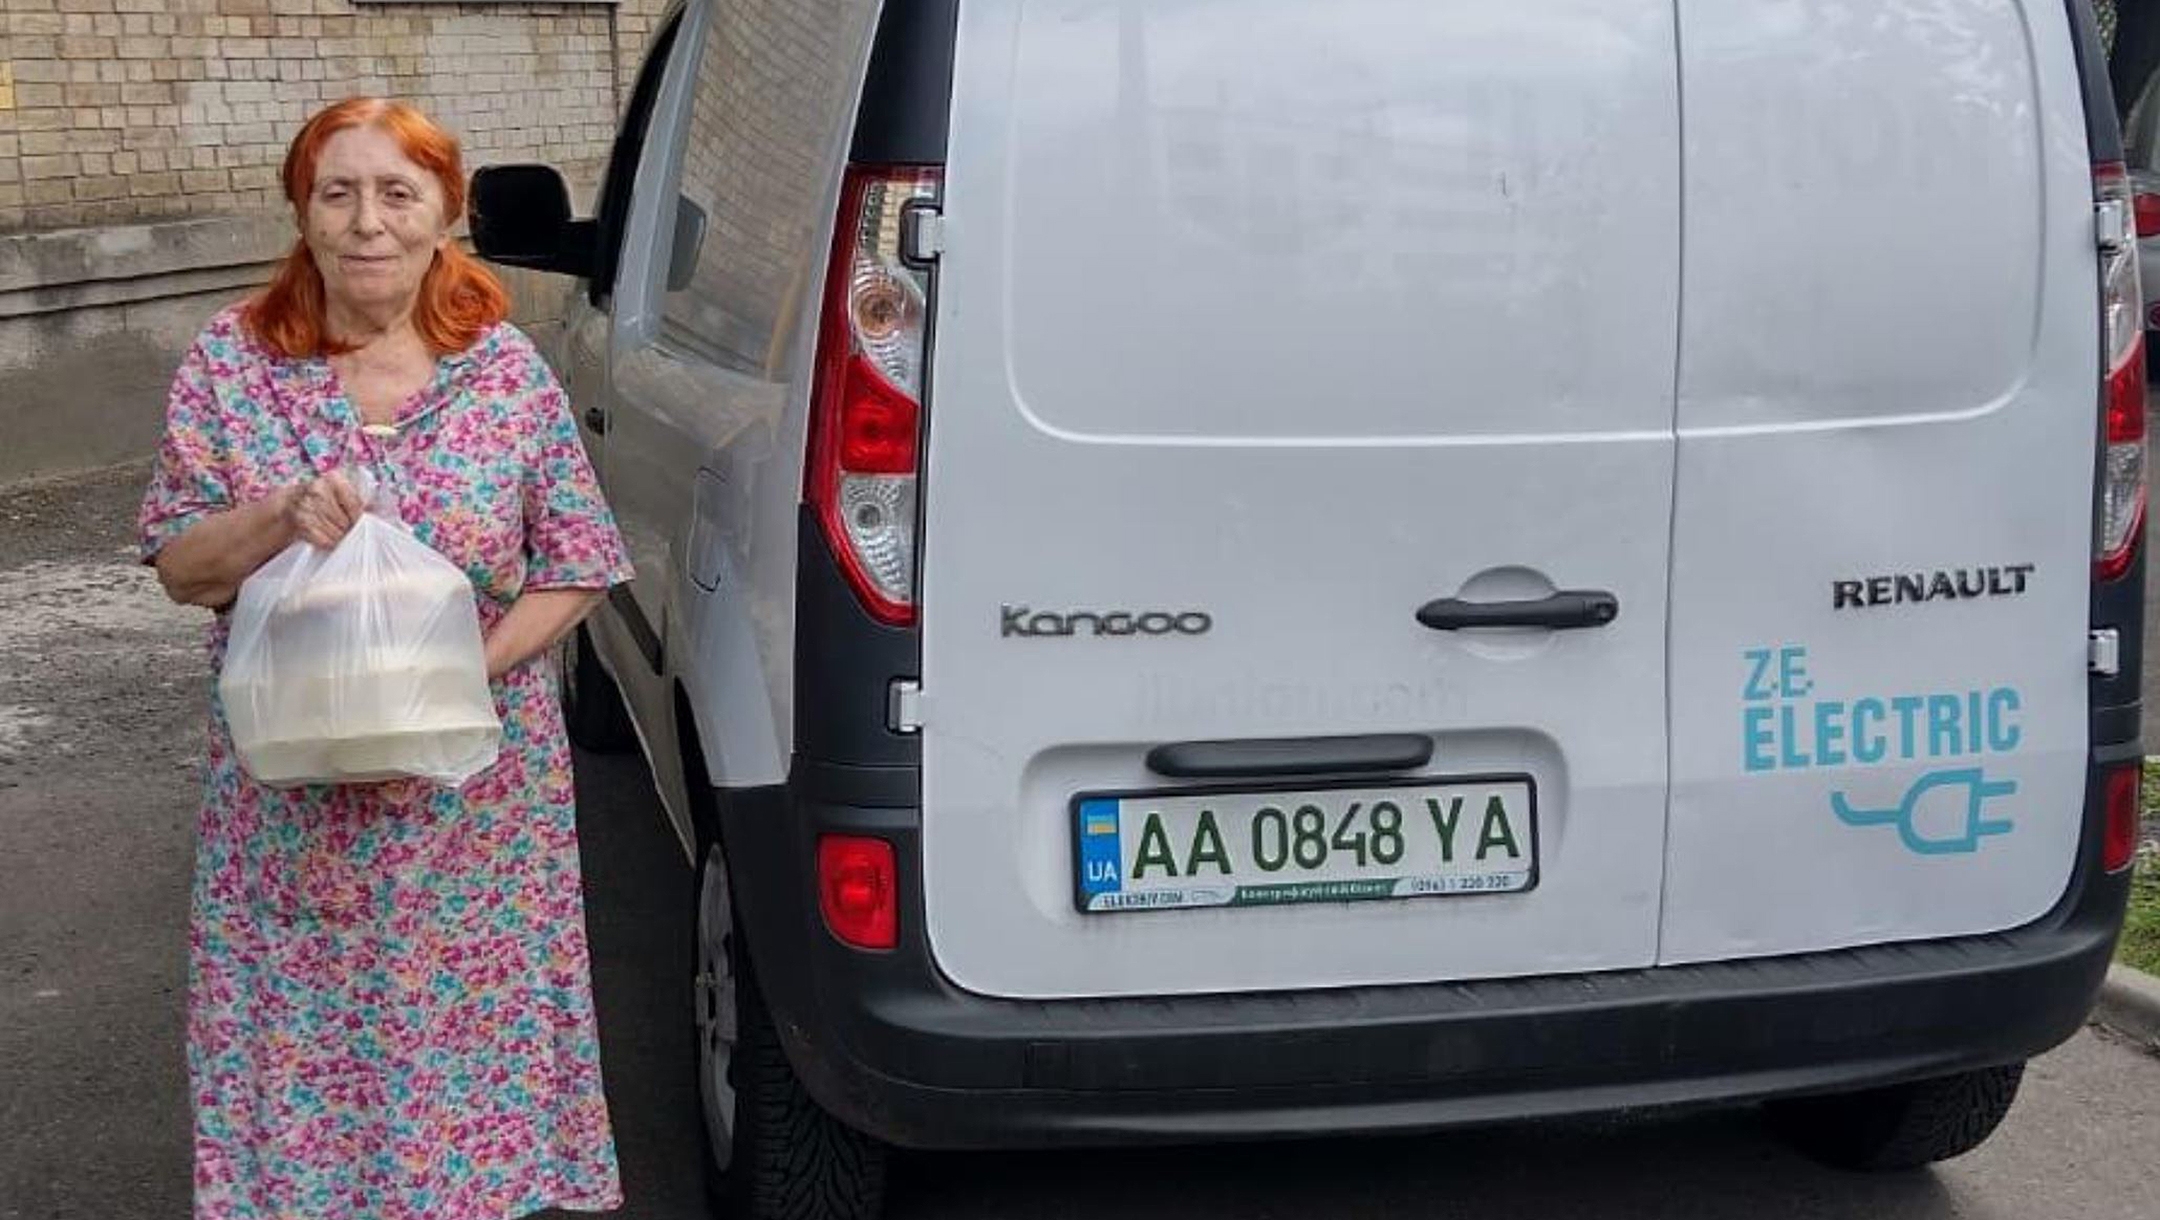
x: 140, y: 110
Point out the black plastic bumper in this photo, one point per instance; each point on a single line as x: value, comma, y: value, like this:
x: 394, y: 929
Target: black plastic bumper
x: 893, y: 1048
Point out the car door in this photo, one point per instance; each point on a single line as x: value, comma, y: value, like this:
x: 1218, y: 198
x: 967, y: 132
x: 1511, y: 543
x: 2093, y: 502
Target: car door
x: 708, y: 351
x: 1278, y: 347
x: 1884, y: 529
x: 589, y: 322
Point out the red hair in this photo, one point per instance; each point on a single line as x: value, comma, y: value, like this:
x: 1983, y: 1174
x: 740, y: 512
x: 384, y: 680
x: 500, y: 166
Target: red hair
x: 459, y: 298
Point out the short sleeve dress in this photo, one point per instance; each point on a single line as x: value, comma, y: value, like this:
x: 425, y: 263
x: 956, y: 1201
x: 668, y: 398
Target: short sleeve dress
x: 390, y: 1011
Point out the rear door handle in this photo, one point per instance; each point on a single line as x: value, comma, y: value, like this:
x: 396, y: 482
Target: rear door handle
x: 1274, y: 756
x: 1559, y: 612
x: 596, y: 419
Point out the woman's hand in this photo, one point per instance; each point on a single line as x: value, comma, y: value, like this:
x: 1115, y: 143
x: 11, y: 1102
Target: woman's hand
x: 321, y: 511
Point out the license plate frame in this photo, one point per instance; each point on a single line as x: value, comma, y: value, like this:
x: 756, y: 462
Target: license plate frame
x: 1424, y: 884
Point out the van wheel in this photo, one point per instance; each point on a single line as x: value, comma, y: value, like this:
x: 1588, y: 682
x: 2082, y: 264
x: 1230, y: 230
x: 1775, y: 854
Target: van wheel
x: 1903, y: 1126
x: 771, y: 1152
x: 593, y: 711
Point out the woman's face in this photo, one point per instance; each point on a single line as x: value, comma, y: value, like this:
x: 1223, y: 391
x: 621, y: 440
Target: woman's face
x: 373, y: 222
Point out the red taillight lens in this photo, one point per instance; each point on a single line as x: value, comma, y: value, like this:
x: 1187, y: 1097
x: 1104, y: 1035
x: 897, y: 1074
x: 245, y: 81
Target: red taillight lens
x: 866, y: 410
x: 859, y: 890
x: 2119, y: 847
x: 878, y: 428
x: 2122, y: 469
x: 2148, y: 214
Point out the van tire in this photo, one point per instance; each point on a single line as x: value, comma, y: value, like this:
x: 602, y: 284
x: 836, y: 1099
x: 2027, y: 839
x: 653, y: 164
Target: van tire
x: 788, y: 1158
x: 1903, y: 1126
x: 592, y: 705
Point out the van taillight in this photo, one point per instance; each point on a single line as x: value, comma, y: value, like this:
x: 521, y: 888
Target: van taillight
x: 2122, y: 470
x: 2147, y: 206
x: 2118, y: 846
x: 866, y: 407
x: 859, y: 890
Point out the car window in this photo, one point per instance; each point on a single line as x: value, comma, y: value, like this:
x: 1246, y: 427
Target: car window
x: 2141, y: 125
x: 768, y: 115
x: 614, y: 201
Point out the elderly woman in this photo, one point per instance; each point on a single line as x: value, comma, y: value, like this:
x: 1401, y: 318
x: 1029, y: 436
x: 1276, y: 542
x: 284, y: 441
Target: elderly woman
x: 390, y: 1012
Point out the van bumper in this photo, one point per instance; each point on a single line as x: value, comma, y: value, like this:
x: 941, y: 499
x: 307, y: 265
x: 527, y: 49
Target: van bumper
x: 894, y: 1049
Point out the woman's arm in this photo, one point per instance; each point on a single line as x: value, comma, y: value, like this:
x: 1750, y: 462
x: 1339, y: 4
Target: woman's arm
x: 205, y: 565
x: 536, y: 622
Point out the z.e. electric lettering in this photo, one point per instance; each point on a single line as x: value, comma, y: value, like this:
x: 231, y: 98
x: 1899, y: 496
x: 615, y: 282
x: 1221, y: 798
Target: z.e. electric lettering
x: 1783, y: 727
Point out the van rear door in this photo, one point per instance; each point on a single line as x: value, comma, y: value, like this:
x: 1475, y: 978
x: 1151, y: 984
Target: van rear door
x: 1885, y: 517
x: 1261, y: 328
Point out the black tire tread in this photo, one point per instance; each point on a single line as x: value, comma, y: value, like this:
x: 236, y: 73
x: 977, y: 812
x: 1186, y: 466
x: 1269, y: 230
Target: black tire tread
x: 1903, y: 1126
x: 793, y: 1161
x: 803, y: 1164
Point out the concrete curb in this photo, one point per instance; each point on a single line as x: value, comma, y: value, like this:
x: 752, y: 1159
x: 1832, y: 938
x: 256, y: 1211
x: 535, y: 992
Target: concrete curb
x: 2130, y: 1005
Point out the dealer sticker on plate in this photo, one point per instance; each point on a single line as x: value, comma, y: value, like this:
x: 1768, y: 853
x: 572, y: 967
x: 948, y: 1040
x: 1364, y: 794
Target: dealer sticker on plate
x: 1255, y: 847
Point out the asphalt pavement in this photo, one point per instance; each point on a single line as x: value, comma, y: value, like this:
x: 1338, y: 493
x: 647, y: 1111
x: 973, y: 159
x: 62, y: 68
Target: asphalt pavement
x: 101, y: 695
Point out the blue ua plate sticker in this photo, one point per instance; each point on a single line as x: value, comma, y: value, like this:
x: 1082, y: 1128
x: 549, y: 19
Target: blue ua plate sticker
x: 1101, y: 859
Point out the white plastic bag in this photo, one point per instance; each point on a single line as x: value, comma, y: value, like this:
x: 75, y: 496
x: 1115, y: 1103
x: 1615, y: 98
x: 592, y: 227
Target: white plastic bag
x: 359, y: 664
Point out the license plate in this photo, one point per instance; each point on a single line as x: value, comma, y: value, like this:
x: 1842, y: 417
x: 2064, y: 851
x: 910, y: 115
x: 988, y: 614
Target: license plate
x: 1145, y: 851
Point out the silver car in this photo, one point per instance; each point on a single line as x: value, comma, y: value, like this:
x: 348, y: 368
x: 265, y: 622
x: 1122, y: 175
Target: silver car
x: 2141, y: 149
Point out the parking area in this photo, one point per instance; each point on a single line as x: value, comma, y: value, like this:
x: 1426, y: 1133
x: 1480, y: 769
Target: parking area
x: 101, y: 688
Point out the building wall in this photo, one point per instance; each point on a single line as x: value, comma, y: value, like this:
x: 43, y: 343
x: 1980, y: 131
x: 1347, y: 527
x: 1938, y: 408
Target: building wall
x: 133, y: 110
x: 139, y: 150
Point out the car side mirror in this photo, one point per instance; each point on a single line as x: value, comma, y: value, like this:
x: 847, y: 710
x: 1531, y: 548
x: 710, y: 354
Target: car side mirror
x: 520, y: 217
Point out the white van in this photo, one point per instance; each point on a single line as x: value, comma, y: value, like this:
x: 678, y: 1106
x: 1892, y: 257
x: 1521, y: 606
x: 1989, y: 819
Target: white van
x: 1223, y: 569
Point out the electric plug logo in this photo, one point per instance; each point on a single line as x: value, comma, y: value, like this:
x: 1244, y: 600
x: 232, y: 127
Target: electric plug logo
x: 1966, y: 838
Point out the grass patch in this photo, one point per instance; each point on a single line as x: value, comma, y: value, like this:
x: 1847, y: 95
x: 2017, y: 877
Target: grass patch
x: 2140, y: 945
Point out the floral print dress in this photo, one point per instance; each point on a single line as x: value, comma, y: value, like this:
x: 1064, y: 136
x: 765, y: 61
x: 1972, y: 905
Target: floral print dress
x: 390, y: 1012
